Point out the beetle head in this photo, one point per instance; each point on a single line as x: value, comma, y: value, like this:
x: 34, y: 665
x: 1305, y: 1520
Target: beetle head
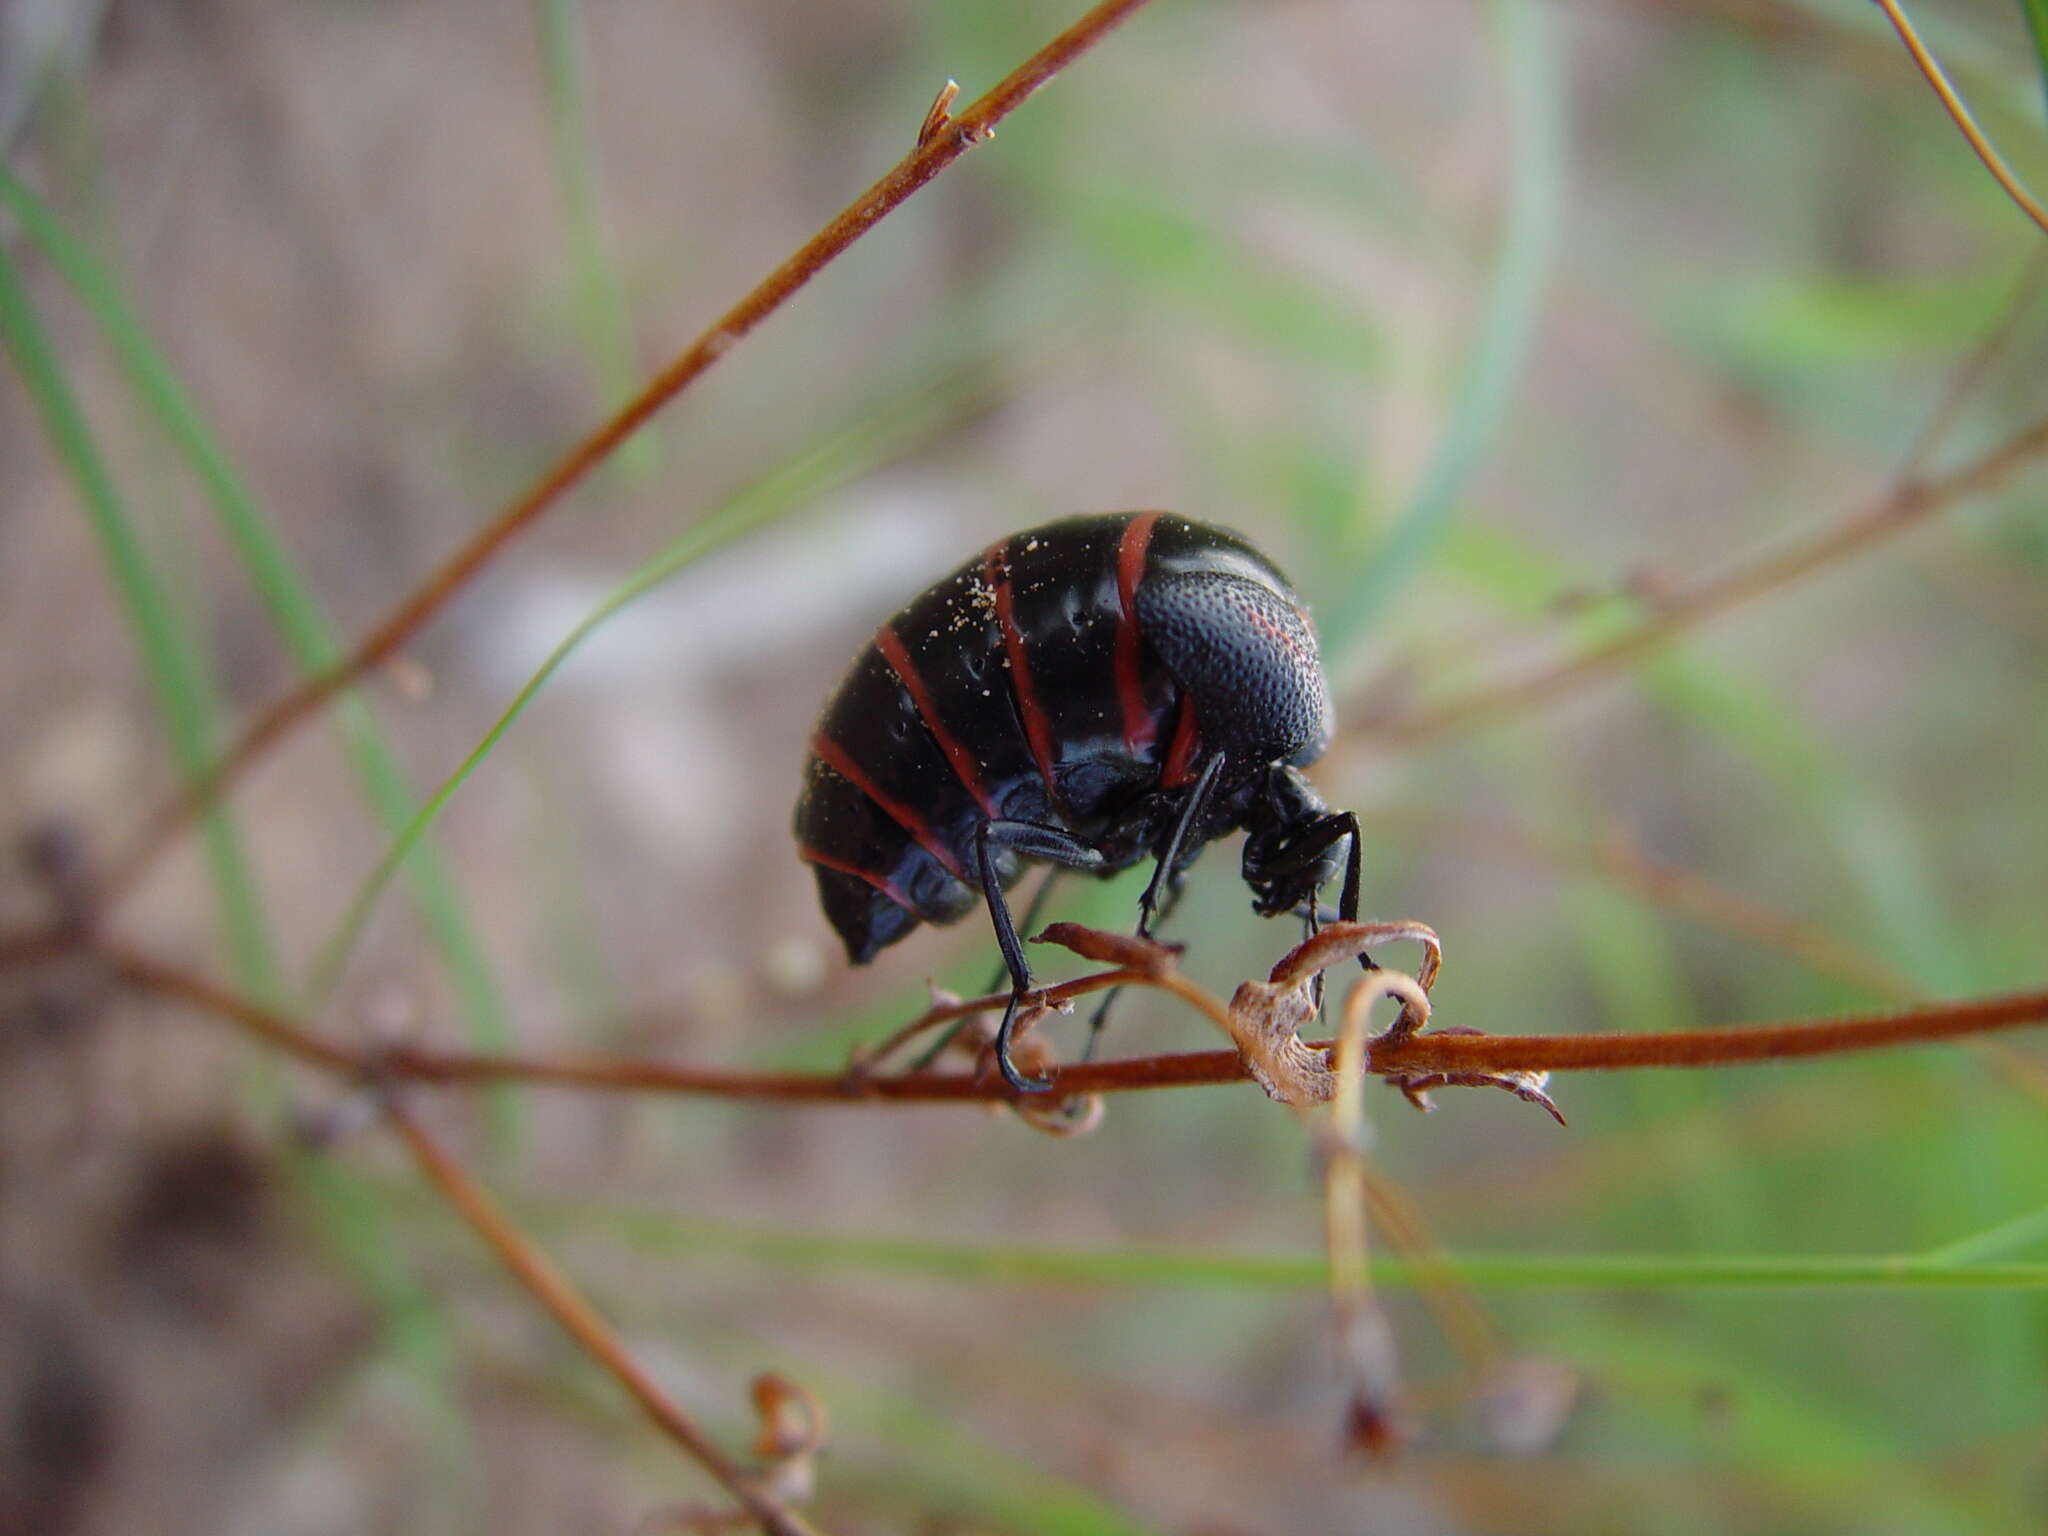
x: 1287, y: 856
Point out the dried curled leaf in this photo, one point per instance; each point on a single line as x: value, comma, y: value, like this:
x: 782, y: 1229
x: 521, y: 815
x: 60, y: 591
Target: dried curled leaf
x: 793, y: 1430
x: 1267, y: 1017
x: 1266, y: 1020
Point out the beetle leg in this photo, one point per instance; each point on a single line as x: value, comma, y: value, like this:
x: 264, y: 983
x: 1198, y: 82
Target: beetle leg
x: 1168, y: 867
x: 1162, y: 892
x: 1032, y: 914
x: 1305, y: 848
x: 1039, y: 841
x: 1321, y: 834
x: 1099, y: 1020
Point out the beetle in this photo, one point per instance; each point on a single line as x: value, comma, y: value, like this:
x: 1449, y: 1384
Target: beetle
x: 1085, y: 693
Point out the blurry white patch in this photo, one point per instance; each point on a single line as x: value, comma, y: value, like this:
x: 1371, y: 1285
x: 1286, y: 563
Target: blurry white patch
x: 82, y: 756
x: 673, y: 773
x: 770, y: 595
x: 796, y: 967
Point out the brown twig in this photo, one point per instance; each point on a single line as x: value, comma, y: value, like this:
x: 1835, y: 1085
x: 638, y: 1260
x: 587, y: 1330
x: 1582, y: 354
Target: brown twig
x: 1953, y: 103
x: 35, y: 946
x: 580, y: 1320
x: 1399, y: 1054
x: 265, y: 1024
x: 952, y: 1009
x: 933, y: 154
x: 1904, y: 507
x: 1444, y: 1052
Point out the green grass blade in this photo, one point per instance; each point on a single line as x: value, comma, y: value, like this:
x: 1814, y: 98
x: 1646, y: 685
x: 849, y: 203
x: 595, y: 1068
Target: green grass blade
x: 2036, y: 12
x: 168, y: 656
x: 1507, y: 325
x: 659, y: 1232
x: 600, y: 300
x: 2021, y: 1232
x: 292, y: 606
x: 840, y: 458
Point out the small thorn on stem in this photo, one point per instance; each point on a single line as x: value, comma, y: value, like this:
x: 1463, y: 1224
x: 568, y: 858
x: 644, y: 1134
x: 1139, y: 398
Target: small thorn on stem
x: 940, y: 114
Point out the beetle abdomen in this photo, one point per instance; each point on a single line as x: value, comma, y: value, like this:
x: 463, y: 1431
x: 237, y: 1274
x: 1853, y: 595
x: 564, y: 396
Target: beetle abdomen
x: 1027, y: 686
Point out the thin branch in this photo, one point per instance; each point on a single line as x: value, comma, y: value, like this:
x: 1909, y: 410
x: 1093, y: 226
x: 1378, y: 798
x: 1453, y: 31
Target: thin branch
x: 265, y: 1024
x: 1398, y: 1055
x: 1906, y: 506
x: 927, y: 160
x: 580, y: 1320
x: 34, y: 946
x: 1744, y: 1046
x: 1993, y: 162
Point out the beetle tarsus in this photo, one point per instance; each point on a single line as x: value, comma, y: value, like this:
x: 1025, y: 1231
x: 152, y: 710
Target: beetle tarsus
x: 1011, y: 1075
x: 1043, y: 842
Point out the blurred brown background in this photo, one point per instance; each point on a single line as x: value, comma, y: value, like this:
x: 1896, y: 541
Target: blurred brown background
x: 1490, y: 322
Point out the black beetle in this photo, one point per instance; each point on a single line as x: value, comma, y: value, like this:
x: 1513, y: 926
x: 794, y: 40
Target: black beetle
x: 1085, y: 693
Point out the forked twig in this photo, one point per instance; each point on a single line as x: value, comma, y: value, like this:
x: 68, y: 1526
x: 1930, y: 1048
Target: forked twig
x: 936, y: 149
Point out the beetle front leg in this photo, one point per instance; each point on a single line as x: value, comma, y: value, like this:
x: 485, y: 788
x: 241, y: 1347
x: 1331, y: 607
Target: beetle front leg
x: 1167, y: 870
x: 1039, y: 841
x: 1303, y: 852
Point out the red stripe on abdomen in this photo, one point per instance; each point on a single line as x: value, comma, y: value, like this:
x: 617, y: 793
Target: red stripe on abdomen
x: 1140, y: 728
x: 887, y: 887
x: 965, y: 768
x: 995, y: 570
x: 836, y: 758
